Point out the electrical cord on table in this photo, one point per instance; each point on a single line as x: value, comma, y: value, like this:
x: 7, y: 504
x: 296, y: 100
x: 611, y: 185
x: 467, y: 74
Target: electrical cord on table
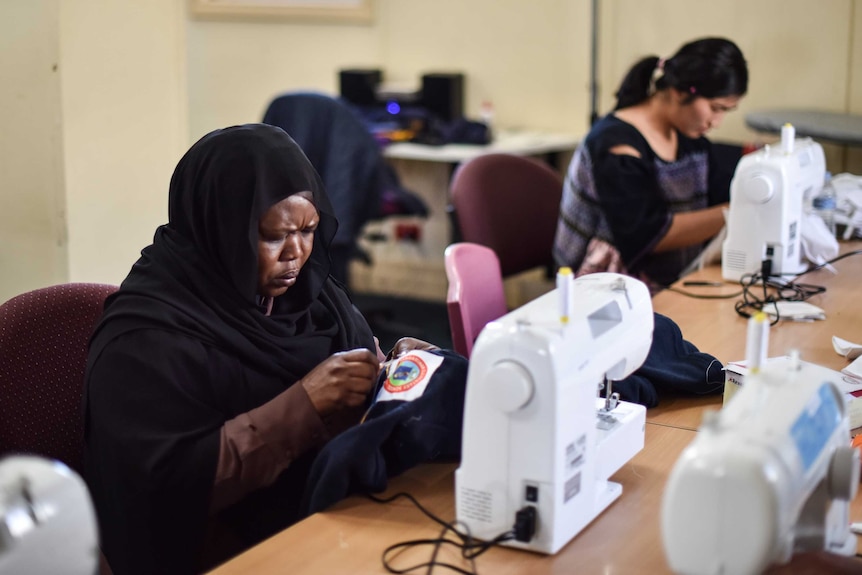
x: 470, y: 548
x: 775, y: 289
x: 703, y: 296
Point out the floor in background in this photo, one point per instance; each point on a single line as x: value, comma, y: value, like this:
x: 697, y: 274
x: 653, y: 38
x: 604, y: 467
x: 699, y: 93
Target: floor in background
x: 393, y: 317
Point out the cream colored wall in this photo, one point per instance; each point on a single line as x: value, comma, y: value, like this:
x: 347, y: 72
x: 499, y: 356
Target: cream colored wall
x: 531, y: 59
x: 125, y: 126
x: 137, y: 80
x: 236, y: 67
x: 854, y: 155
x: 799, y: 53
x: 32, y: 205
x: 531, y: 63
x: 94, y: 107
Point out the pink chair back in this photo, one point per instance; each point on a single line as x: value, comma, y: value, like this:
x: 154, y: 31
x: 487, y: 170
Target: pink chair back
x: 43, y: 352
x: 510, y: 204
x: 475, y: 295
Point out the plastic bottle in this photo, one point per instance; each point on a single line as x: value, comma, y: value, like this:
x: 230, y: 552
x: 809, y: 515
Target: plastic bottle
x: 486, y: 116
x: 824, y: 203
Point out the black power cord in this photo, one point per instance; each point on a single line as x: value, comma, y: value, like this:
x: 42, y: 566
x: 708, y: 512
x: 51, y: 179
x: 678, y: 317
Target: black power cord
x: 774, y: 288
x: 470, y: 547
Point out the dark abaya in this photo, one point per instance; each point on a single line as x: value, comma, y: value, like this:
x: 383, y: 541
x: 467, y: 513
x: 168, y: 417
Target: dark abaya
x: 183, y: 347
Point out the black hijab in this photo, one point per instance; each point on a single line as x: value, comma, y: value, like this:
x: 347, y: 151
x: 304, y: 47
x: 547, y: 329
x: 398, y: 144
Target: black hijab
x: 199, y: 277
x: 152, y: 439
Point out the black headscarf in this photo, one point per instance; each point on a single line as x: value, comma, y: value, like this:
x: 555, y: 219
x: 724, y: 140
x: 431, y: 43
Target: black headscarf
x: 199, y: 277
x: 152, y: 436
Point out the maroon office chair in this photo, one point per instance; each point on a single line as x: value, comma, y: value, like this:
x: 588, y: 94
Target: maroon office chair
x: 475, y: 295
x: 510, y: 204
x: 43, y: 353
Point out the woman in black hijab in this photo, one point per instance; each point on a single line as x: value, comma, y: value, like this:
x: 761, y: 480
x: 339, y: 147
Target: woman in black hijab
x: 225, y: 360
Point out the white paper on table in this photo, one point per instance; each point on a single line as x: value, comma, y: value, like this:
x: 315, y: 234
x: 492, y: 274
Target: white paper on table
x: 846, y: 348
x: 795, y: 310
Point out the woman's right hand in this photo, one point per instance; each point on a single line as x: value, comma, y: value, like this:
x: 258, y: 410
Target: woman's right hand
x: 341, y: 381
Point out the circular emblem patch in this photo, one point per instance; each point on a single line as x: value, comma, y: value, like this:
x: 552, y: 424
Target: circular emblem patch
x: 409, y: 371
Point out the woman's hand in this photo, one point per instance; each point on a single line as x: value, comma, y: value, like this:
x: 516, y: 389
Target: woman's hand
x: 406, y: 344
x: 341, y: 381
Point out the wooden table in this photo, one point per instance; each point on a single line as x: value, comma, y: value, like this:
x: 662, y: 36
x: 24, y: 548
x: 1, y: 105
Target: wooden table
x: 350, y: 537
x: 715, y: 328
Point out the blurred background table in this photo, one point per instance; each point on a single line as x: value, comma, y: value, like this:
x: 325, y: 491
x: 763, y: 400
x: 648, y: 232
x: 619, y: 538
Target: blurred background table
x: 833, y: 127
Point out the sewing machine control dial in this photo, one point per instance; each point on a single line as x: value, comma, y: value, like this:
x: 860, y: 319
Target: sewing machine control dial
x: 508, y: 386
x: 759, y: 189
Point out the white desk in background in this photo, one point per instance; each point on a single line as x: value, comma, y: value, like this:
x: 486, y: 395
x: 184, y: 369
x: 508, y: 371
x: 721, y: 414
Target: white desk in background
x: 415, y: 269
x: 512, y: 142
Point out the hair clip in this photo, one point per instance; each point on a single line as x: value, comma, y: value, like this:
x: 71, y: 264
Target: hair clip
x: 657, y: 74
x: 692, y: 90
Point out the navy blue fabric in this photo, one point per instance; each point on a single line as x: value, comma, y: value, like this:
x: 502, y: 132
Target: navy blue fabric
x: 398, y: 435
x: 673, y: 364
x: 395, y: 436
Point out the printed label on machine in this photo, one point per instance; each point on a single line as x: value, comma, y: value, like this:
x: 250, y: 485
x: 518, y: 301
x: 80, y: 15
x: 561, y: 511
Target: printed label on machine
x: 476, y: 504
x: 575, y: 457
x: 813, y: 428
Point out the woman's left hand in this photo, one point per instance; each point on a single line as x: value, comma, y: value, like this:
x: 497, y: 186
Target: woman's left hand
x: 406, y: 344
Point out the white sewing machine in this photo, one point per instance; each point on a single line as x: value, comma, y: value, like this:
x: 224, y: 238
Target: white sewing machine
x: 770, y: 475
x: 767, y: 194
x: 539, y: 445
x: 47, y: 523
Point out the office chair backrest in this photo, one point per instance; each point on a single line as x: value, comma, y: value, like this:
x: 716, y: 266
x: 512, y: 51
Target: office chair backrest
x: 510, y: 204
x: 43, y: 352
x: 361, y: 185
x: 475, y: 295
x: 341, y: 149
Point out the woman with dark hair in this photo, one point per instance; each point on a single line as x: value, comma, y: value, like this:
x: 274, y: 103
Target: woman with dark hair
x: 226, y: 360
x: 643, y: 192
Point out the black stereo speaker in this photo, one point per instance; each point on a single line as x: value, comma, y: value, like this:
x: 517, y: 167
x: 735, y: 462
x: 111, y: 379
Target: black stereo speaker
x: 443, y: 95
x: 359, y: 86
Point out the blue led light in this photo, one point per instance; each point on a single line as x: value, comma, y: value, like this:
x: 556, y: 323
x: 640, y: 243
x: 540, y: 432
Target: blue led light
x: 393, y: 108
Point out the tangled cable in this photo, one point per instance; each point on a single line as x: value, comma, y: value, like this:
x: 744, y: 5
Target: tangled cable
x: 774, y: 289
x: 470, y: 548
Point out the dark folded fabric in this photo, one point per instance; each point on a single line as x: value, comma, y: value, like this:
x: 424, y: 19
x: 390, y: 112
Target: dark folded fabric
x: 395, y: 436
x: 672, y: 364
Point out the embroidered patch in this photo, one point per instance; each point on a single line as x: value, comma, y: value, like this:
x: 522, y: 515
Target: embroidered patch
x: 408, y: 376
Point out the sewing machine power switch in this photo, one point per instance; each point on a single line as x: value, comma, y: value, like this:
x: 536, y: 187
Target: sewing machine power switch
x: 508, y: 386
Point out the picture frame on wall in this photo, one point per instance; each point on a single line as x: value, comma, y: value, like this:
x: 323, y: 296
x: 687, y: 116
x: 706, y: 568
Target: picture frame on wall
x: 347, y: 11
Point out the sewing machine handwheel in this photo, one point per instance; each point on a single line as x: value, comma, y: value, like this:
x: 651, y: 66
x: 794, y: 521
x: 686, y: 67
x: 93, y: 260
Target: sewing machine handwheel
x: 508, y: 386
x: 759, y: 189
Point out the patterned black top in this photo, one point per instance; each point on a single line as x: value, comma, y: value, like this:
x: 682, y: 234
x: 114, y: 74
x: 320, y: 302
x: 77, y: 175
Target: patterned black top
x: 624, y: 204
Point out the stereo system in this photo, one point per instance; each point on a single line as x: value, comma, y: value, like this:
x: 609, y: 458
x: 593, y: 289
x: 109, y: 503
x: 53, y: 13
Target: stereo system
x: 441, y: 94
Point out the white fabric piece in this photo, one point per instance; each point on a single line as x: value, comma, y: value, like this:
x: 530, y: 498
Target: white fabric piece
x: 818, y: 244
